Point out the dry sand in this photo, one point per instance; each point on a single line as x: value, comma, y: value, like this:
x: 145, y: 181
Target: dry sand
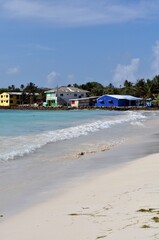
x: 103, y: 206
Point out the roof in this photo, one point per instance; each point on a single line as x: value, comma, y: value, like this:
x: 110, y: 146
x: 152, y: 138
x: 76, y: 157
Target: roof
x: 12, y: 93
x: 80, y: 99
x: 19, y: 93
x: 126, y: 97
x: 67, y: 89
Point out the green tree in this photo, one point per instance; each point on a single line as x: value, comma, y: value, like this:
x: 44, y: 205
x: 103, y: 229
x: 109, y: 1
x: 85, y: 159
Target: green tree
x: 110, y: 89
x: 94, y: 88
x: 30, y: 90
x: 128, y: 88
x: 141, y: 88
x: 155, y: 86
x: 22, y: 87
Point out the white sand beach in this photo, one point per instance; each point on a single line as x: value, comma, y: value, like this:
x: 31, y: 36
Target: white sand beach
x: 103, y: 206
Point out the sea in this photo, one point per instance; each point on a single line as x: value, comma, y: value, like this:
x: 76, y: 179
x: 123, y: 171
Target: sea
x: 42, y: 152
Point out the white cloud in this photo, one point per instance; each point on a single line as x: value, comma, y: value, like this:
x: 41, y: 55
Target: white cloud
x: 80, y: 12
x: 155, y: 63
x: 52, y: 76
x: 13, y: 70
x: 126, y: 72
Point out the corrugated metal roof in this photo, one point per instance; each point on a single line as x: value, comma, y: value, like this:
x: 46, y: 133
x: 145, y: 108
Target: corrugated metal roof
x: 86, y: 98
x: 126, y: 97
x: 20, y: 93
x: 14, y: 93
x: 67, y: 89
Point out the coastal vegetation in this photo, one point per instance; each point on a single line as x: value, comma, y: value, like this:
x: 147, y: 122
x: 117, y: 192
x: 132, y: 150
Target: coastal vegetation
x: 142, y: 88
x: 31, y: 93
x: 146, y: 89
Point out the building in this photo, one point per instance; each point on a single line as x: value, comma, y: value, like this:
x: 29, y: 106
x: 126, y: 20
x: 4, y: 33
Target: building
x: 8, y: 99
x: 117, y: 101
x: 83, y: 102
x: 62, y: 95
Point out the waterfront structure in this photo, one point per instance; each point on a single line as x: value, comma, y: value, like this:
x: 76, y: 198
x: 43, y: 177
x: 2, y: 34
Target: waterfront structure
x: 61, y: 96
x: 117, y: 101
x: 8, y: 99
x: 83, y: 102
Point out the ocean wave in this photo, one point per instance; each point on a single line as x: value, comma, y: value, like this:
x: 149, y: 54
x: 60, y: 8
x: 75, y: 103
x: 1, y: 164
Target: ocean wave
x: 19, y: 146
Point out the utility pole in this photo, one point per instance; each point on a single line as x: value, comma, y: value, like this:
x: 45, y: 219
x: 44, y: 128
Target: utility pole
x: 57, y: 94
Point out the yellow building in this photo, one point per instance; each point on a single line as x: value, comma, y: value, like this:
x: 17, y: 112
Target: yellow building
x: 8, y: 99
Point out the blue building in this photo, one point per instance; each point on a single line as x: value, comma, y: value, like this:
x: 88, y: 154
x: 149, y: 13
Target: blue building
x: 117, y: 101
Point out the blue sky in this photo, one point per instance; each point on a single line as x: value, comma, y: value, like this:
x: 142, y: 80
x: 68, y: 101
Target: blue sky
x: 63, y: 42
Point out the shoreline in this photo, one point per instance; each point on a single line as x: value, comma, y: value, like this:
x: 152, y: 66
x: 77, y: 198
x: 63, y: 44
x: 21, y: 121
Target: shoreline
x: 106, y: 205
x: 41, y: 108
x: 38, y: 176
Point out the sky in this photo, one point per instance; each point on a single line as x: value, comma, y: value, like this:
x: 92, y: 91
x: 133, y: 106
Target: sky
x: 61, y: 42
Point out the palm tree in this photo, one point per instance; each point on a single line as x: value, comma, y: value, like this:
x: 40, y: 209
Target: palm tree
x: 22, y: 87
x: 155, y: 85
x: 141, y: 88
x: 128, y: 88
x: 11, y: 88
x: 31, y: 89
x: 110, y: 89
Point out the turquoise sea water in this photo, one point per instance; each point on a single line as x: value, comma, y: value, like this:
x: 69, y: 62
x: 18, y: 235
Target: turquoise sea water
x: 22, y: 132
x: 40, y: 150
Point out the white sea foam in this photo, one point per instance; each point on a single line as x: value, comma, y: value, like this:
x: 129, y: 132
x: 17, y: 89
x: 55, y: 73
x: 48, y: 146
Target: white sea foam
x: 13, y: 147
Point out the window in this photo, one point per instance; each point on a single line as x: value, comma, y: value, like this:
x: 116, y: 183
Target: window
x: 61, y: 94
x: 6, y: 96
x: 6, y: 101
x: 1, y: 101
x: 1, y: 96
x: 82, y: 95
x: 110, y: 101
x: 75, y: 95
x: 73, y: 102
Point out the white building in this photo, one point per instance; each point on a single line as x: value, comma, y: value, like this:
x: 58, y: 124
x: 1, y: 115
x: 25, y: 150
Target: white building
x: 62, y: 95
